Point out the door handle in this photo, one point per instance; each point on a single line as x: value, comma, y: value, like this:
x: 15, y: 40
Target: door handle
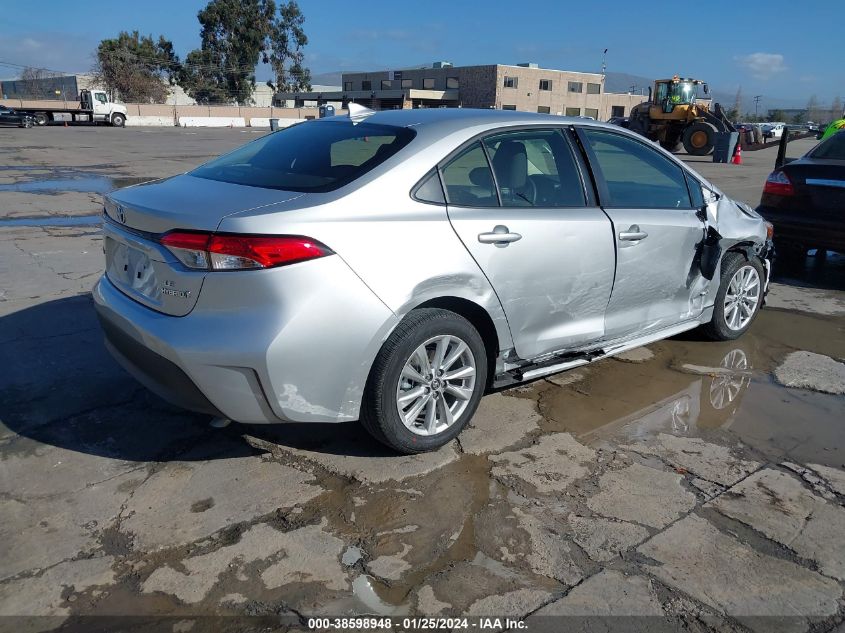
x: 633, y: 234
x: 500, y: 236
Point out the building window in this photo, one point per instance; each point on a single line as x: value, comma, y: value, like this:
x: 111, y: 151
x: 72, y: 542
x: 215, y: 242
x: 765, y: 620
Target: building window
x: 428, y: 83
x: 617, y: 110
x: 407, y: 83
x: 576, y: 86
x: 545, y: 84
x: 593, y: 89
x: 386, y: 84
x: 347, y: 85
x: 366, y: 85
x: 543, y: 109
x: 508, y: 107
x: 573, y: 111
x: 452, y: 83
x: 591, y: 112
x: 511, y: 82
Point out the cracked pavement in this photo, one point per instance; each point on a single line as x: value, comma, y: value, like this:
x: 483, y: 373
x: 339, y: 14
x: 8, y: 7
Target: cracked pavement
x: 692, y: 484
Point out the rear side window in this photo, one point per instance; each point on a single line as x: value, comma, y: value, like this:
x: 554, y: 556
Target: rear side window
x: 637, y: 176
x: 832, y: 148
x: 309, y: 157
x: 535, y: 168
x: 468, y: 180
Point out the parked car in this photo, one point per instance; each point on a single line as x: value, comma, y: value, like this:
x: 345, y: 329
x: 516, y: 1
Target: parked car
x: 10, y: 117
x: 804, y: 200
x: 394, y: 266
x: 773, y: 130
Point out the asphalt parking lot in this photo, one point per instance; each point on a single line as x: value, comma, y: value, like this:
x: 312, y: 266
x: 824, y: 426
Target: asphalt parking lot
x: 689, y: 484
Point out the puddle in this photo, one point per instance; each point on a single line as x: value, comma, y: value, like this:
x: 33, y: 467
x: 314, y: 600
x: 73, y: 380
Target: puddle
x: 82, y: 183
x: 701, y: 388
x: 52, y: 220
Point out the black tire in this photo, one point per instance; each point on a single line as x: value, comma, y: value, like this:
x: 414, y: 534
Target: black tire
x: 118, y: 120
x: 379, y: 413
x: 41, y: 119
x: 717, y: 329
x: 699, y: 138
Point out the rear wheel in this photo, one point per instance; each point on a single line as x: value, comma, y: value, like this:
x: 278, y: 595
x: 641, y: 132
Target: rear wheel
x: 699, y: 138
x: 738, y: 299
x: 41, y: 118
x: 426, y: 382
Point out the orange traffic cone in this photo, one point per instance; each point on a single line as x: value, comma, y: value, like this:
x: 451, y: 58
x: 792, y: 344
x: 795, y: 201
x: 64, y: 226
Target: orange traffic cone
x: 737, y: 159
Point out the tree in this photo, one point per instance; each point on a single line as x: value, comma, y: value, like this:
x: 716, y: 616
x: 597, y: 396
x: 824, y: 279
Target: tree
x: 286, y: 41
x: 776, y: 115
x: 235, y: 36
x: 836, y: 108
x: 34, y: 84
x: 136, y: 68
x: 798, y: 118
x: 814, y: 113
x: 737, y: 102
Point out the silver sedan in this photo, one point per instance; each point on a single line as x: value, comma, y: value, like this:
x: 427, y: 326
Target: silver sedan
x: 392, y: 267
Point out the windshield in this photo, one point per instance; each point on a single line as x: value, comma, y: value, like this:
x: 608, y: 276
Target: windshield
x: 683, y: 92
x: 310, y: 157
x: 833, y: 148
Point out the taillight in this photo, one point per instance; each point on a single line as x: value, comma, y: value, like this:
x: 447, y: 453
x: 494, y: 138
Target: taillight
x: 778, y: 184
x: 209, y: 251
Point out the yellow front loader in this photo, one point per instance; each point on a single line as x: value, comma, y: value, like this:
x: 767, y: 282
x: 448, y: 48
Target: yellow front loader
x: 674, y: 116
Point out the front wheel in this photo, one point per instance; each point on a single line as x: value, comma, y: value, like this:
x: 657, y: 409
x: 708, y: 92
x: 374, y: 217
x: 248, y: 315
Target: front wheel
x: 738, y: 299
x: 699, y: 138
x: 426, y: 381
x: 118, y: 120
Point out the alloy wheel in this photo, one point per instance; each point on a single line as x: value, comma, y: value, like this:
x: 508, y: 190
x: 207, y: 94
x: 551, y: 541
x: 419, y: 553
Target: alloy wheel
x: 436, y: 385
x: 742, y: 297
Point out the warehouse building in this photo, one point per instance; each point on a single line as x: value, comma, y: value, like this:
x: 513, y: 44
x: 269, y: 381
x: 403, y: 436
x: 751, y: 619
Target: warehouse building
x: 524, y: 87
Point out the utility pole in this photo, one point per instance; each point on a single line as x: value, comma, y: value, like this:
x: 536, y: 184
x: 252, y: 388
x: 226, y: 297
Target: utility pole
x: 756, y: 105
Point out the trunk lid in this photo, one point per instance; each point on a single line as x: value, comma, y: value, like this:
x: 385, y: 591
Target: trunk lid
x: 144, y: 270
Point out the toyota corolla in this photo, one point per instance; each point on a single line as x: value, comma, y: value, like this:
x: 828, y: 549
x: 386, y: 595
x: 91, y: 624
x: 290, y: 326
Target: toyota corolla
x: 392, y: 267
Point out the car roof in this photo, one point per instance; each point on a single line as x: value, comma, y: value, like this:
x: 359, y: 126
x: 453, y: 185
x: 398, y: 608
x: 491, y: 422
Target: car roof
x: 442, y: 121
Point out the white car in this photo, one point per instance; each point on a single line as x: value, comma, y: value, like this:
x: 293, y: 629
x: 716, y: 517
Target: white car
x: 773, y: 130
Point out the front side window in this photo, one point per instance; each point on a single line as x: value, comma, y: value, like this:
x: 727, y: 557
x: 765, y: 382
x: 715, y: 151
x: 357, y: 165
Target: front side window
x: 309, y: 157
x: 511, y: 82
x: 468, y: 180
x: 535, y: 168
x: 576, y: 86
x: 100, y: 97
x: 637, y: 176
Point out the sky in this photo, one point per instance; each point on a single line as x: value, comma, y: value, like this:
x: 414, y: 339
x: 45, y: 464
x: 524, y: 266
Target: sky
x: 781, y: 49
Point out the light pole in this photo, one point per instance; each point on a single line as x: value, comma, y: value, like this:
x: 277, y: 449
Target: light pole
x: 756, y: 104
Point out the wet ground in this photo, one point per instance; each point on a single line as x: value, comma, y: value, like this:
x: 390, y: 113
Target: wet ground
x: 680, y: 486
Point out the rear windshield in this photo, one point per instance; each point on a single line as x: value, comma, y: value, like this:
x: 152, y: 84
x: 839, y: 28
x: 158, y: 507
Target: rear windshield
x: 832, y: 148
x: 310, y: 157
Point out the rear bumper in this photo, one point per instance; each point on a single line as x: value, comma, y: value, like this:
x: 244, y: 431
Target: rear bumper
x: 810, y: 232
x: 288, y: 344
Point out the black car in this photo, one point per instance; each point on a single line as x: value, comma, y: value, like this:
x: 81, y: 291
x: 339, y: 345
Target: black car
x: 804, y: 199
x: 9, y: 116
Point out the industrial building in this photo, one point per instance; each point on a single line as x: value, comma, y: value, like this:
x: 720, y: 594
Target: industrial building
x: 524, y: 87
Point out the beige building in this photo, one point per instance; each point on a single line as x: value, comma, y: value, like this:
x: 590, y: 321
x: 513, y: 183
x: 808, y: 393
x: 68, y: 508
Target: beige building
x: 522, y: 87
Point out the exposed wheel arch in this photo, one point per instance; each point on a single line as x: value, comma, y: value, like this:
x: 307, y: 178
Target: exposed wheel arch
x: 479, y: 318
